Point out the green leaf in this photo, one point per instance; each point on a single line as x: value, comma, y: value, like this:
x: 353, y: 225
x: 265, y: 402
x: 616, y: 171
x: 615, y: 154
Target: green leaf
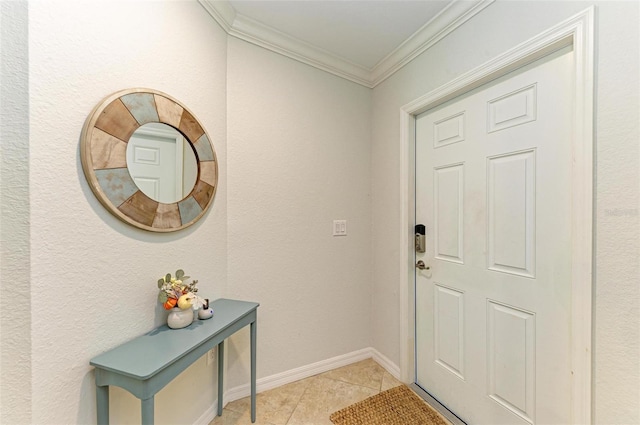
x: 160, y: 283
x: 167, y: 278
x: 184, y: 278
x: 179, y: 274
x: 162, y: 297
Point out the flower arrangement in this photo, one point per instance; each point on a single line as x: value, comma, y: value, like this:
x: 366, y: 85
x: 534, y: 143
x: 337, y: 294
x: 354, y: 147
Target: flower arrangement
x: 174, y: 292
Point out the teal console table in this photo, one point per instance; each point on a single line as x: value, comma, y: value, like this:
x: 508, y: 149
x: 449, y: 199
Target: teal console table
x: 146, y: 364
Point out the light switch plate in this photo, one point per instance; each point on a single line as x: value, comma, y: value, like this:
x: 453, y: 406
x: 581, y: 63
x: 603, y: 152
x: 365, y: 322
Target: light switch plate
x: 339, y: 227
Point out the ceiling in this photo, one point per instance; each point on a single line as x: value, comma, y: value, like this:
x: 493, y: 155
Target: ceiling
x: 363, y: 32
x: 364, y: 41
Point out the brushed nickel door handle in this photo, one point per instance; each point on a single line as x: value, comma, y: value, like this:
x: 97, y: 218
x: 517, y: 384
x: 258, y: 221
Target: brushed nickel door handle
x: 420, y: 264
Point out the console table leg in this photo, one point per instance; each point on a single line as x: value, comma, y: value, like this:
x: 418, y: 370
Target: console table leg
x: 253, y: 328
x: 220, y: 376
x: 102, y: 404
x: 147, y: 411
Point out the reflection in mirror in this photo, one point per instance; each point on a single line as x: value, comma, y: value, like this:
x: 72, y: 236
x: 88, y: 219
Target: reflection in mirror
x: 162, y: 162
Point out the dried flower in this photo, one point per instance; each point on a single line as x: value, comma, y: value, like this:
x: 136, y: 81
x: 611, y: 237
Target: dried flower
x: 171, y: 288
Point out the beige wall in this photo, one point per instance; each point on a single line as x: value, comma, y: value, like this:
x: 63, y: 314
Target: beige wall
x: 93, y: 276
x: 501, y: 26
x: 298, y: 158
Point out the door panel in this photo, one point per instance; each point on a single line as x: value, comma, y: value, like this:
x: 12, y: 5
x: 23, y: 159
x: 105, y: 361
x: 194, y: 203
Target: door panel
x: 449, y: 329
x: 511, y: 352
x: 448, y: 212
x: 493, y: 184
x: 511, y: 212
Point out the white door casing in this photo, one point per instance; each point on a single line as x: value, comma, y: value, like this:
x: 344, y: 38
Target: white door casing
x: 577, y: 31
x: 493, y: 178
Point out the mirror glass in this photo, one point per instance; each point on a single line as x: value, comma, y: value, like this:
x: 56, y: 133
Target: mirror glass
x: 162, y: 162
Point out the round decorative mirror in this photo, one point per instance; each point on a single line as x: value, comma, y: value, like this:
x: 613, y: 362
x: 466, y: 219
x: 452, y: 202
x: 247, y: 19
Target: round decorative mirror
x: 148, y: 160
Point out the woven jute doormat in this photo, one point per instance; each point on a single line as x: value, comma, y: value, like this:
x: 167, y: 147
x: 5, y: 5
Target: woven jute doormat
x: 397, y: 406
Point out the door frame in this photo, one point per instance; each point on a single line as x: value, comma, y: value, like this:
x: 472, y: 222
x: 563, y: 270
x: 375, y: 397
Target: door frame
x: 577, y: 31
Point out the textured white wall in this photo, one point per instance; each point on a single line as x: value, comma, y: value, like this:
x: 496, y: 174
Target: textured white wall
x: 15, y: 313
x: 501, y: 26
x: 298, y: 158
x: 93, y: 276
x: 617, y: 289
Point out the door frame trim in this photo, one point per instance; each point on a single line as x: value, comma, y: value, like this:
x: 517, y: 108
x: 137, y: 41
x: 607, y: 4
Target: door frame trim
x: 577, y: 31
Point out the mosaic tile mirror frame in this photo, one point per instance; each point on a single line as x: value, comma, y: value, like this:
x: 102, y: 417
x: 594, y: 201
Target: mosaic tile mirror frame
x: 103, y: 153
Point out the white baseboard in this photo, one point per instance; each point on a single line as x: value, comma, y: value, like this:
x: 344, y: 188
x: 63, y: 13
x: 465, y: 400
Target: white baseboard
x: 279, y: 379
x: 384, y: 361
x: 208, y: 415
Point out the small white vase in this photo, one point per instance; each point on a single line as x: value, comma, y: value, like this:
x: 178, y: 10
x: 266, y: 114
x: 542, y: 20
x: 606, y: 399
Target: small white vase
x: 205, y: 313
x: 179, y: 318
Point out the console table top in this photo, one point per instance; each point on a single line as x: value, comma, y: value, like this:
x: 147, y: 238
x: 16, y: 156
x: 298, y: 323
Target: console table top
x: 148, y: 354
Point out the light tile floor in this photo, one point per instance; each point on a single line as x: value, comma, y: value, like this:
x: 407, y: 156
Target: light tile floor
x: 312, y: 400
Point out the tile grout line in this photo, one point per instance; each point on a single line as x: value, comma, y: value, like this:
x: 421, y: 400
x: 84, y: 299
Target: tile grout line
x: 300, y: 398
x: 357, y: 385
x: 331, y: 379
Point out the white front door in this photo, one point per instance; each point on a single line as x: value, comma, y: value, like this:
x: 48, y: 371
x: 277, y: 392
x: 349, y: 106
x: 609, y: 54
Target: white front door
x: 493, y: 188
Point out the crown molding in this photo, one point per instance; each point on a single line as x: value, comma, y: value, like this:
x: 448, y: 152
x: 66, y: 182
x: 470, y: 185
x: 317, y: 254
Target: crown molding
x: 247, y: 29
x: 450, y: 18
x: 221, y: 11
x: 262, y: 35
